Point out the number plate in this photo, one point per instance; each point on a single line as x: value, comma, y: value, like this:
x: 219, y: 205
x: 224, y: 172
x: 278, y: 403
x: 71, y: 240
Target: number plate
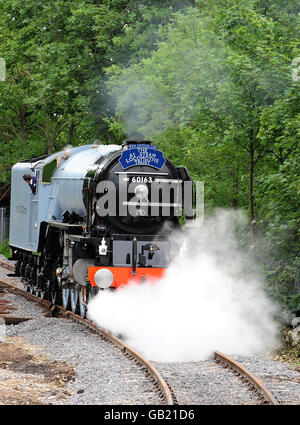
x: 140, y: 179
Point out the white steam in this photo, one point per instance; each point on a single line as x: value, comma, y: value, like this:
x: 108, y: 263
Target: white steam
x: 211, y: 298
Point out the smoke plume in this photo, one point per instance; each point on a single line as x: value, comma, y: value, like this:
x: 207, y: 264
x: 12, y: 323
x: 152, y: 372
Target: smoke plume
x: 211, y: 298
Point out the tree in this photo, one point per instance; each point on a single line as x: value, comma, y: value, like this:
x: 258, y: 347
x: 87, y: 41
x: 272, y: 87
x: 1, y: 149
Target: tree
x: 56, y: 53
x: 212, y: 72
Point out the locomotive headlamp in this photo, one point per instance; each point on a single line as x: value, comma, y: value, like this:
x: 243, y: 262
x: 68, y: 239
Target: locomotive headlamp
x: 103, y: 278
x: 141, y: 191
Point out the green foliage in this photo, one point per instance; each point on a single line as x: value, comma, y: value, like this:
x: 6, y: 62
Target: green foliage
x: 48, y: 171
x: 279, y: 192
x: 202, y: 93
x: 281, y: 282
x: 5, y: 249
x: 55, y: 53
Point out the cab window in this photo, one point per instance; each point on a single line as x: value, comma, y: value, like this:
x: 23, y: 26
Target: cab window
x: 48, y: 171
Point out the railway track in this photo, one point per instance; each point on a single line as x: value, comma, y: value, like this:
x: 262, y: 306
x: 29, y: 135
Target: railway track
x: 255, y: 384
x: 58, y: 311
x: 164, y: 390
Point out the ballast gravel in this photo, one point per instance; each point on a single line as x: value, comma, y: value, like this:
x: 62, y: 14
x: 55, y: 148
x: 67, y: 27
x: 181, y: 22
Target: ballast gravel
x: 24, y: 307
x: 104, y: 374
x: 205, y: 383
x: 279, y: 377
x: 4, y: 272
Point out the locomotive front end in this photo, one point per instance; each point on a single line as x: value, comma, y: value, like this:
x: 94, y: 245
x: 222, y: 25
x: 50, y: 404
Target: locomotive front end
x: 136, y: 204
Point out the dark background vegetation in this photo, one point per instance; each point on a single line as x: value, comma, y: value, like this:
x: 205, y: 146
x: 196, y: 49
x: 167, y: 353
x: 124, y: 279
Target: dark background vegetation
x: 209, y: 81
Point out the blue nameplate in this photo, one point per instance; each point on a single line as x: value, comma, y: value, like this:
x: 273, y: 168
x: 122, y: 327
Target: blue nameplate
x: 142, y: 155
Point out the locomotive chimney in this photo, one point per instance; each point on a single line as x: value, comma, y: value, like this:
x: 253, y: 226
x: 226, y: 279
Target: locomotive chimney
x: 136, y: 142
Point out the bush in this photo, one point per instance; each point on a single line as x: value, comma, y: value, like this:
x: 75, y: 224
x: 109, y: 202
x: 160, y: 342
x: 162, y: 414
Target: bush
x: 281, y: 285
x: 5, y: 249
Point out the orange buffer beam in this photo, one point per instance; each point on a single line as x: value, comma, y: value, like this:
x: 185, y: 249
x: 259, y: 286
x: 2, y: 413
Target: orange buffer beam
x: 122, y: 275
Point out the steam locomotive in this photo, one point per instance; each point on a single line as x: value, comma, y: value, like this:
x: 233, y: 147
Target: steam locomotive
x: 90, y: 220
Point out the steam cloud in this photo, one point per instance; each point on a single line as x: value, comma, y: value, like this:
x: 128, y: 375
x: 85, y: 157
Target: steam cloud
x: 211, y: 298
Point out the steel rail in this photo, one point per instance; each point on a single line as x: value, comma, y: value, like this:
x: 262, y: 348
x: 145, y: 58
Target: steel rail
x: 161, y: 384
x: 255, y: 382
x: 6, y: 265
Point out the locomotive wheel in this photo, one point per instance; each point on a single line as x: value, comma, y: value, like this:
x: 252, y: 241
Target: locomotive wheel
x: 40, y: 294
x: 54, y: 297
x: 74, y: 299
x: 83, y: 300
x: 65, y: 297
